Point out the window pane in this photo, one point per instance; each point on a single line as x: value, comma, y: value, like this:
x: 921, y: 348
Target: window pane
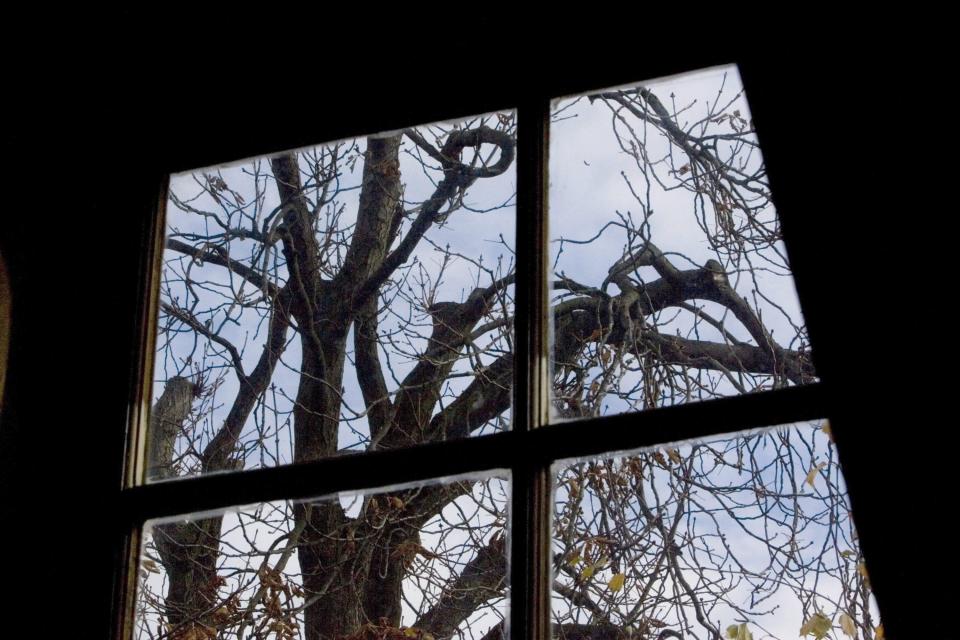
x: 670, y: 279
x: 699, y: 537
x: 407, y: 562
x: 351, y: 296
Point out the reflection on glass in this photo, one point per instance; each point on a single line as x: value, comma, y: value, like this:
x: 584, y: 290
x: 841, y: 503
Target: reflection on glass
x: 352, y: 296
x: 670, y: 280
x: 414, y: 562
x: 748, y: 534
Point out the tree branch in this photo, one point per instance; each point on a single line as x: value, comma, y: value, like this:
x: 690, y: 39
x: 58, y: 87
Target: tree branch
x: 420, y: 389
x: 380, y: 196
x: 369, y: 370
x: 456, y: 176
x: 187, y: 318
x: 217, y: 255
x: 481, y: 579
x: 217, y: 452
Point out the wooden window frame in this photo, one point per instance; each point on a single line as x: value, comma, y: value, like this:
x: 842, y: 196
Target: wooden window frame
x: 527, y: 450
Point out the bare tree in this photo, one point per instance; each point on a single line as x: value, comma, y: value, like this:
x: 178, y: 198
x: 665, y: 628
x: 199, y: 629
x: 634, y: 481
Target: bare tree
x: 340, y: 299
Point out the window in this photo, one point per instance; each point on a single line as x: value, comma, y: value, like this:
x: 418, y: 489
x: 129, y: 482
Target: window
x: 575, y: 559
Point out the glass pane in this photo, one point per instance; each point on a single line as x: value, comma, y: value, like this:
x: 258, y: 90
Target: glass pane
x: 413, y: 562
x: 351, y: 296
x: 699, y: 538
x: 670, y: 279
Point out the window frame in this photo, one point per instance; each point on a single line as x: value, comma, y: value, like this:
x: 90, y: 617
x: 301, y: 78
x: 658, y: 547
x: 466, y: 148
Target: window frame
x: 527, y: 450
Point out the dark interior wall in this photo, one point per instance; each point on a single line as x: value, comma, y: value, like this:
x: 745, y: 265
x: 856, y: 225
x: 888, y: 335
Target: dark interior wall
x: 95, y: 126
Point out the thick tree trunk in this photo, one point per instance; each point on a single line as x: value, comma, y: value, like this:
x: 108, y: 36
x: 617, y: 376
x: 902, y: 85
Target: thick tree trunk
x: 347, y: 581
x: 188, y: 550
x: 353, y: 568
x: 166, y: 420
x: 326, y: 565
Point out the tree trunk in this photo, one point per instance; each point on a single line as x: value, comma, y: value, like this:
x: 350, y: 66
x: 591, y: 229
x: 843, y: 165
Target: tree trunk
x: 188, y: 550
